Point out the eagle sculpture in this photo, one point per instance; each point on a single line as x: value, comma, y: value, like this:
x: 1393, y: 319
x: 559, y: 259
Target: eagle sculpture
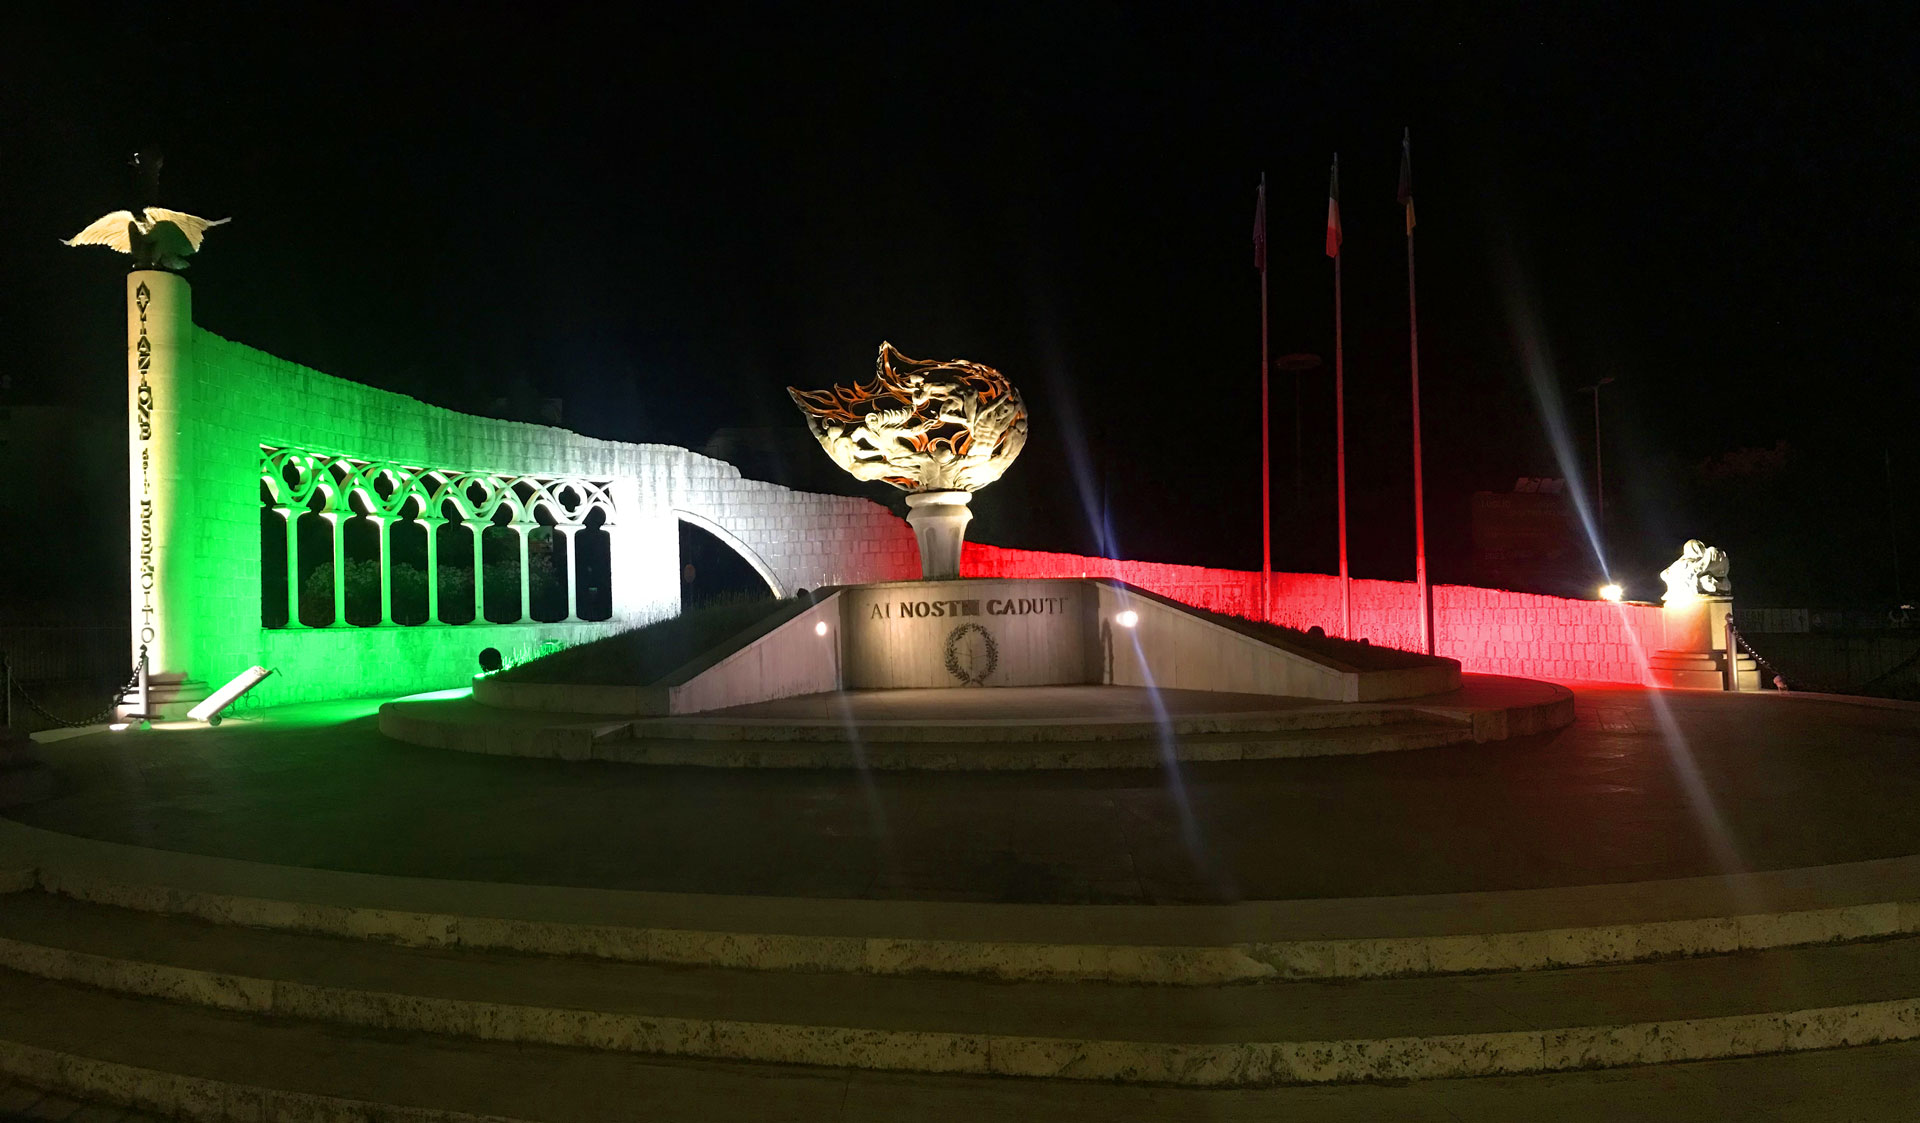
x: 156, y: 237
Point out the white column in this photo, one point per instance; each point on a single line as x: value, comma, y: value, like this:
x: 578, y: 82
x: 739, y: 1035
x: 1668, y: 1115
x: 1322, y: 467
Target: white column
x: 292, y: 515
x: 339, y: 567
x: 433, y: 566
x: 525, y: 531
x: 479, y: 572
x: 381, y: 528
x: 573, y: 571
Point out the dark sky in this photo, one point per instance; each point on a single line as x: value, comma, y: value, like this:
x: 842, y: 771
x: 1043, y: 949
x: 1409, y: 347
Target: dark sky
x: 665, y: 219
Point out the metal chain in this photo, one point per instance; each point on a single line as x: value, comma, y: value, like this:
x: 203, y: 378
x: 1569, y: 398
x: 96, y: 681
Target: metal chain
x: 1757, y: 657
x: 1827, y: 688
x: 133, y: 677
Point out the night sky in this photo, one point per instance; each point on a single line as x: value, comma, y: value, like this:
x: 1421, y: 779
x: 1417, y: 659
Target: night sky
x: 666, y: 219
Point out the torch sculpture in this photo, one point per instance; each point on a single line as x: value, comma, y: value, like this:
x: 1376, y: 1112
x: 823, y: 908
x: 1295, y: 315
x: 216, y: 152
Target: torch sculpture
x: 938, y: 431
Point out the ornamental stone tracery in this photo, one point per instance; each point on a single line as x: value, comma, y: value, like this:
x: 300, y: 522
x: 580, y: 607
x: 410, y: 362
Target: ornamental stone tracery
x: 339, y: 488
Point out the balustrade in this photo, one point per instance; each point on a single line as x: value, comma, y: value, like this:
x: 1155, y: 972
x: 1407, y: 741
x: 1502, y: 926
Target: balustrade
x: 394, y: 495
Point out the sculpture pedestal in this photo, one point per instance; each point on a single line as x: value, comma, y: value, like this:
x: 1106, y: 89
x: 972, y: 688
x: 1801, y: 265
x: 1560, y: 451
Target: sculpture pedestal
x: 1695, y: 652
x: 169, y: 697
x: 939, y: 520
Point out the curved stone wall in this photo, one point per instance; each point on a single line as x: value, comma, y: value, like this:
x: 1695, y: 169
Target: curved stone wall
x: 244, y: 412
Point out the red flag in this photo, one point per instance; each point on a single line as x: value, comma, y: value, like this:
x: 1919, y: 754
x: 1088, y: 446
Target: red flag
x: 1406, y: 176
x: 1333, y: 209
x: 1260, y: 225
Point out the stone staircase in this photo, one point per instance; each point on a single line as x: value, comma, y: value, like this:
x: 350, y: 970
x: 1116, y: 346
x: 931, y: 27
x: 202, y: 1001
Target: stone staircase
x: 211, y: 1003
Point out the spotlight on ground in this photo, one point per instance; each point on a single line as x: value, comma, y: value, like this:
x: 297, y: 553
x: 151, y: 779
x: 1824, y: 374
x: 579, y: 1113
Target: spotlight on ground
x: 209, y: 710
x: 1127, y: 619
x: 1612, y: 592
x: 820, y: 629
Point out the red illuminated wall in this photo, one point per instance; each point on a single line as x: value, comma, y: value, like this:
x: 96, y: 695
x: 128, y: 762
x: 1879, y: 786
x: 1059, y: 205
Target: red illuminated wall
x: 1490, y: 631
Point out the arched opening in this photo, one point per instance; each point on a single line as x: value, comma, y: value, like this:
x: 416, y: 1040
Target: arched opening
x: 361, y: 542
x: 314, y: 539
x: 713, y: 571
x: 453, y: 542
x: 547, y: 568
x: 593, y: 573
x: 273, y: 560
x: 407, y: 541
x: 500, y: 549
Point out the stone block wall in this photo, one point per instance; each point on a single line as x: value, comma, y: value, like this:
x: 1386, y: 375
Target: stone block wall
x: 1491, y: 631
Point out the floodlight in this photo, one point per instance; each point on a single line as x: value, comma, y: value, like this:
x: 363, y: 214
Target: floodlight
x: 1611, y: 591
x: 209, y: 710
x: 1127, y: 619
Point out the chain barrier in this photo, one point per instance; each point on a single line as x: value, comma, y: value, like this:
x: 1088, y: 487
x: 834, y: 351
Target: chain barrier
x: 1798, y: 682
x: 105, y: 712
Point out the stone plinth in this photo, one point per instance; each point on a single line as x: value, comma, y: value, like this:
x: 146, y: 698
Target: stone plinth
x: 1694, y: 655
x: 169, y: 696
x: 939, y: 520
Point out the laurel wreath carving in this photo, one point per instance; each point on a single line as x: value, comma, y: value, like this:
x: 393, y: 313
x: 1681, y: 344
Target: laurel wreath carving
x: 953, y: 654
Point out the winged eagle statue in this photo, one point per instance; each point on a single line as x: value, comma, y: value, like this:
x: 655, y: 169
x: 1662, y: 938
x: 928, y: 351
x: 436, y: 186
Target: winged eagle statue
x: 156, y: 237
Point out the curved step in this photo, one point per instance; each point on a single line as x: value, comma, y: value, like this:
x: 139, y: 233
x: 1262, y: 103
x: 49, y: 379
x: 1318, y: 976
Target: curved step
x: 1386, y: 1029
x: 808, y: 732
x: 215, y: 1066
x: 1012, y: 755
x: 1193, y: 945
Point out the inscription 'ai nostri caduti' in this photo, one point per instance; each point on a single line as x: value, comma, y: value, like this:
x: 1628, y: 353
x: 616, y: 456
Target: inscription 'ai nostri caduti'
x: 992, y: 606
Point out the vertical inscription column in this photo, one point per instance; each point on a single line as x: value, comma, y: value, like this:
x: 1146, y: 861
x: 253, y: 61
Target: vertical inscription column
x: 159, y: 370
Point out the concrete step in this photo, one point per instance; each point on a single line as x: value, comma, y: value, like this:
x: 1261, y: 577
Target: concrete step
x: 725, y: 726
x: 196, y: 1063
x: 1187, y: 945
x: 1282, y: 1033
x: 1142, y: 749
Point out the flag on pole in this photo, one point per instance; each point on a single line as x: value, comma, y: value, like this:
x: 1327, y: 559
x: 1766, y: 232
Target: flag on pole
x: 1406, y: 176
x: 1333, y: 209
x: 1260, y: 224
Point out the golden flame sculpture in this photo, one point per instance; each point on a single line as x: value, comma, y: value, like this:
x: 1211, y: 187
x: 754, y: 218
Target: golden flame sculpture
x: 920, y: 425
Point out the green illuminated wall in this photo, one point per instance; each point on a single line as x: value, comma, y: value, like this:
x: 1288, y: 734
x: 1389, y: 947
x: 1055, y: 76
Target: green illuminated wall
x: 238, y: 400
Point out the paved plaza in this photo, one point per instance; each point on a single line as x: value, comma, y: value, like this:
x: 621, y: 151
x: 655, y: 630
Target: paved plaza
x: 1644, y: 786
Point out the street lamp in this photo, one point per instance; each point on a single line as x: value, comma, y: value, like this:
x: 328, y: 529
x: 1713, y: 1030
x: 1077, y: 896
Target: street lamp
x: 1599, y: 479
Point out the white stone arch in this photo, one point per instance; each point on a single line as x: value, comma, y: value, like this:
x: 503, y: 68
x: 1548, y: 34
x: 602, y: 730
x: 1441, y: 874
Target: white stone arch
x: 732, y: 540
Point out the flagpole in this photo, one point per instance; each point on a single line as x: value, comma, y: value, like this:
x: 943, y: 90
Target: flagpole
x: 1340, y: 434
x: 1425, y: 592
x: 1266, y: 473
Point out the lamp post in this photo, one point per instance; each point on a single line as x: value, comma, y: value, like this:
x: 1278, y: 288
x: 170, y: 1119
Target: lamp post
x: 1297, y: 365
x: 1599, y: 478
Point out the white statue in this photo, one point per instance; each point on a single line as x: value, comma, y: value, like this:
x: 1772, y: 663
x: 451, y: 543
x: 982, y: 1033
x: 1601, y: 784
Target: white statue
x: 156, y: 237
x: 1701, y: 570
x: 920, y: 425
